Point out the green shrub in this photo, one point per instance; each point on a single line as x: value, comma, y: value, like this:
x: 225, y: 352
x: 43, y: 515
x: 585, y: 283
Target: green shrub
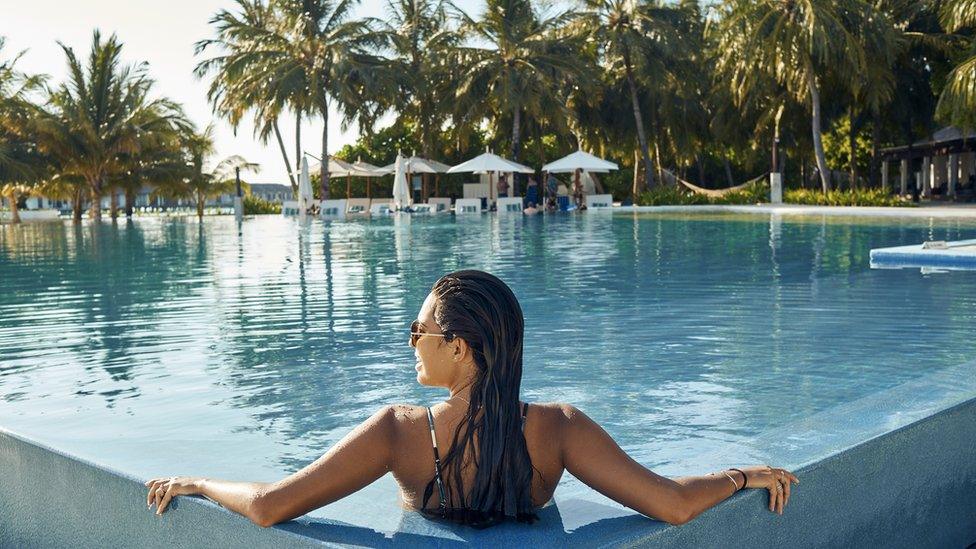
x: 758, y: 192
x: 670, y: 195
x: 257, y: 206
x: 856, y: 197
x: 755, y: 193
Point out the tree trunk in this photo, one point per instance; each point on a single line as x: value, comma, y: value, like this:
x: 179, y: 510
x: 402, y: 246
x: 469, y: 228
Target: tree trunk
x: 114, y: 210
x: 657, y: 162
x: 201, y: 200
x: 324, y: 168
x: 130, y: 199
x: 875, y: 151
x: 633, y: 189
x: 284, y: 154
x: 639, y: 120
x: 76, y: 205
x: 516, y: 134
x: 298, y: 145
x: 852, y: 146
x: 815, y: 126
x: 728, y: 172
x: 14, y: 211
x: 95, y: 213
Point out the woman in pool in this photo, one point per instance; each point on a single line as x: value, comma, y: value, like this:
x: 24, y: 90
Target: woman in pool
x: 481, y: 455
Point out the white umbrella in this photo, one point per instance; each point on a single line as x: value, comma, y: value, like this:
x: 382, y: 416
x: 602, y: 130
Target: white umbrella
x: 489, y: 162
x: 401, y: 194
x: 305, y: 196
x: 579, y: 160
x: 365, y: 169
x: 416, y: 164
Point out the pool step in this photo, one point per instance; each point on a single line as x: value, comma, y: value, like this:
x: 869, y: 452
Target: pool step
x: 959, y: 254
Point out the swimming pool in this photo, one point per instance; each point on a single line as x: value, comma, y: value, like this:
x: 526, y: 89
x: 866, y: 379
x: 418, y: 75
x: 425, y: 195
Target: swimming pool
x: 166, y: 347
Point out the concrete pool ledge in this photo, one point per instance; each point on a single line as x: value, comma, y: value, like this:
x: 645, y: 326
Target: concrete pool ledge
x: 926, y: 211
x: 894, y: 469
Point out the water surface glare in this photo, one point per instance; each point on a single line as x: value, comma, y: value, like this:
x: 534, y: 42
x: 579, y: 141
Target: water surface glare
x: 163, y: 346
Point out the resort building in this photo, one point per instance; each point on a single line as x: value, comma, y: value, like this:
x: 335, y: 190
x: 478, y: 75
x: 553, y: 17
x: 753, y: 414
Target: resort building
x: 272, y: 192
x: 942, y: 166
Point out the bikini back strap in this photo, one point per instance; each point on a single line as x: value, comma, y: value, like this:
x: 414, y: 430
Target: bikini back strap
x: 437, y: 462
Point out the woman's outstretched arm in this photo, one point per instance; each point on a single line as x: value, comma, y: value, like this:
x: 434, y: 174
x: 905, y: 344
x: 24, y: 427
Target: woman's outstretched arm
x: 361, y: 457
x: 592, y: 456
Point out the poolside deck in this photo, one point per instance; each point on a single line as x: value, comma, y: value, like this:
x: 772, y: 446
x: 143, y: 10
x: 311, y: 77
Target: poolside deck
x: 925, y: 210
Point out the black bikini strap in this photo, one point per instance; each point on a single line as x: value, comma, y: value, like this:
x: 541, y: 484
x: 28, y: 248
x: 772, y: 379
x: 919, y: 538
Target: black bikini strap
x: 437, y: 462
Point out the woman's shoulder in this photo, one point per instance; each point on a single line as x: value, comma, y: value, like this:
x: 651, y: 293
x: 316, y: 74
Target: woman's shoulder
x: 552, y: 413
x: 545, y: 412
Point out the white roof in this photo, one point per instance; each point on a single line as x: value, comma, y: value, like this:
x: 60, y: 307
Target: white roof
x: 579, y: 160
x: 337, y: 167
x: 489, y: 162
x: 369, y: 170
x: 415, y: 164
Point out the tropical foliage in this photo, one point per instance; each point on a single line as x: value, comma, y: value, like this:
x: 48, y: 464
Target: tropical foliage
x: 716, y: 93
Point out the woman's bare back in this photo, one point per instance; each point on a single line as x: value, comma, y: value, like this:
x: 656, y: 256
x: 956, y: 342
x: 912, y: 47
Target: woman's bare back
x: 414, y: 461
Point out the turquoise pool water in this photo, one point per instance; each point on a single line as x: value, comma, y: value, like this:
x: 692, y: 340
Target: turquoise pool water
x: 166, y: 347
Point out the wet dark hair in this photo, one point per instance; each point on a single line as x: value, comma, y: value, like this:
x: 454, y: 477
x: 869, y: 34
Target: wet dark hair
x: 483, y: 311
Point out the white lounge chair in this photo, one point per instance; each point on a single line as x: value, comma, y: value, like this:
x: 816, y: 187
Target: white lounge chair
x: 421, y: 208
x: 289, y: 207
x: 333, y: 208
x: 440, y: 204
x: 467, y: 206
x: 380, y: 206
x: 509, y: 205
x: 357, y: 206
x: 599, y: 201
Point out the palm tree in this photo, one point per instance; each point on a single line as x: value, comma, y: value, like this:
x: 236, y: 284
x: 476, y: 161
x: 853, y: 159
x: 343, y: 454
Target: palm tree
x: 796, y: 43
x: 416, y: 78
x: 197, y: 179
x: 159, y: 162
x: 20, y: 161
x: 526, y: 59
x: 285, y: 54
x: 100, y: 114
x: 638, y: 39
x: 233, y: 92
x: 958, y: 100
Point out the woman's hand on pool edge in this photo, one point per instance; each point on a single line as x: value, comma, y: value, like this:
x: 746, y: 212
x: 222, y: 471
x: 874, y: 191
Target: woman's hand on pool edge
x: 774, y: 479
x: 162, y: 490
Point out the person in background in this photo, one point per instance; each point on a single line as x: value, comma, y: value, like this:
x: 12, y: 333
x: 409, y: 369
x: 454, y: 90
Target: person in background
x: 531, y: 209
x: 532, y: 191
x: 552, y: 186
x: 502, y: 186
x: 579, y: 199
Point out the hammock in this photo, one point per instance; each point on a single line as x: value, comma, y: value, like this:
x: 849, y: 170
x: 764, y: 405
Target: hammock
x: 713, y: 193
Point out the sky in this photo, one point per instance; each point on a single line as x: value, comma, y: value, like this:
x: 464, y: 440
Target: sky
x: 163, y: 34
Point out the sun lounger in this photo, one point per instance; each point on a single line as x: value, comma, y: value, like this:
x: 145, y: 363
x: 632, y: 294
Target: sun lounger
x: 467, y: 206
x: 357, y: 206
x: 440, y: 204
x: 290, y: 207
x: 380, y: 207
x: 421, y: 208
x: 333, y: 208
x: 599, y: 201
x: 509, y: 205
